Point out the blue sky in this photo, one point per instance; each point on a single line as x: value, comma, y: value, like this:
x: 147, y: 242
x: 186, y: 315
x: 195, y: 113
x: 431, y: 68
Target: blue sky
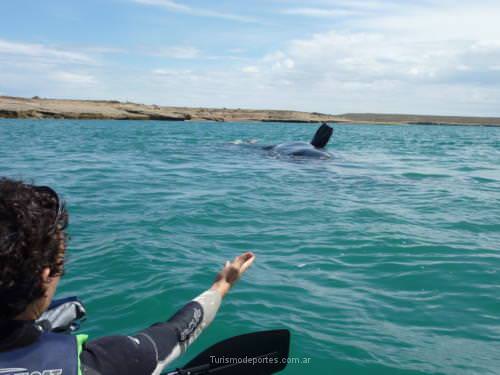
x: 332, y: 56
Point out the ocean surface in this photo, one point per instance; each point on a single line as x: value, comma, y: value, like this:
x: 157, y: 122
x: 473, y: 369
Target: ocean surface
x: 384, y: 259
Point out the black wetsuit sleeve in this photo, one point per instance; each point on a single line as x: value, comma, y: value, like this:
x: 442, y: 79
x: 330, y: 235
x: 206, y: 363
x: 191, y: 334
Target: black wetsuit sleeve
x: 152, y: 349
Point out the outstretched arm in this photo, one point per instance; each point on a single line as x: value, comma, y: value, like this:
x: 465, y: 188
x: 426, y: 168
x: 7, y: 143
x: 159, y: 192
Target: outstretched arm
x: 151, y: 350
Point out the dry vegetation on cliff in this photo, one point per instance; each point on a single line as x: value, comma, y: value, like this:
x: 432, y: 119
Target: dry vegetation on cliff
x: 37, y: 108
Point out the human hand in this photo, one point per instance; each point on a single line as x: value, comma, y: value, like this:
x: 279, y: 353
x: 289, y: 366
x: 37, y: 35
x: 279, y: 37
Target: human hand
x: 232, y: 272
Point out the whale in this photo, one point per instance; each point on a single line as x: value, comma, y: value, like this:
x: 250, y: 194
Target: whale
x: 314, y: 149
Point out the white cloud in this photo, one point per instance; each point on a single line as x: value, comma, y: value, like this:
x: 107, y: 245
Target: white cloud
x: 37, y: 68
x: 178, y: 52
x: 74, y: 78
x: 41, y: 51
x: 441, y: 20
x: 252, y: 69
x: 103, y: 50
x: 171, y: 72
x: 284, y: 64
x: 319, y: 12
x: 171, y: 5
x: 278, y: 62
x: 201, y: 12
x: 410, y: 60
x: 368, y: 6
x: 236, y: 50
x: 349, y: 8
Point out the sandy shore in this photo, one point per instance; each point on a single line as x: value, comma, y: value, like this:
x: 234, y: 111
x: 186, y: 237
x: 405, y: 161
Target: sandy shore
x: 36, y: 108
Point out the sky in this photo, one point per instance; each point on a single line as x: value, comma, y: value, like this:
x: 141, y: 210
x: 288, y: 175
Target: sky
x: 438, y: 57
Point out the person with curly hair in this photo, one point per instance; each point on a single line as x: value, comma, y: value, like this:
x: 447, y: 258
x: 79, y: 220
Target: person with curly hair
x: 33, y: 239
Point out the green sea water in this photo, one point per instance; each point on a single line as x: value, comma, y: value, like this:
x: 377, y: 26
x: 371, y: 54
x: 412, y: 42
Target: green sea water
x: 384, y: 259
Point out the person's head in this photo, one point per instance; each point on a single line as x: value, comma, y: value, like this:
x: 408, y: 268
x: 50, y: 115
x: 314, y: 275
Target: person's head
x: 32, y: 246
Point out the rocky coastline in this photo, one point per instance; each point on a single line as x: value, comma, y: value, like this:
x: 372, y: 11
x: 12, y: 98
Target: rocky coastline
x: 38, y: 108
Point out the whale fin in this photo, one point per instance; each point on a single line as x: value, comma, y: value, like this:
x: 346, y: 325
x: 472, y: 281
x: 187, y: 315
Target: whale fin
x: 322, y: 136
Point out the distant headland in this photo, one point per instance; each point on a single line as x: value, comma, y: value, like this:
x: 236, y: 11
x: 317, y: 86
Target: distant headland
x: 38, y: 108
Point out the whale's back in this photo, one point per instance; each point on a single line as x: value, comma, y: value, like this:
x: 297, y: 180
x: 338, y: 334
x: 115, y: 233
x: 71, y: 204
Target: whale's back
x: 301, y: 149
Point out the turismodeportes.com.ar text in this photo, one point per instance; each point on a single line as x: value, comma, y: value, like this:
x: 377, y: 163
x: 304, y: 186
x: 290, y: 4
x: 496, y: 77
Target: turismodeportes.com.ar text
x: 258, y: 360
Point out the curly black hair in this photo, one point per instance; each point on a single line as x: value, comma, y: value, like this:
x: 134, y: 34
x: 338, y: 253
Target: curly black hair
x: 32, y: 233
